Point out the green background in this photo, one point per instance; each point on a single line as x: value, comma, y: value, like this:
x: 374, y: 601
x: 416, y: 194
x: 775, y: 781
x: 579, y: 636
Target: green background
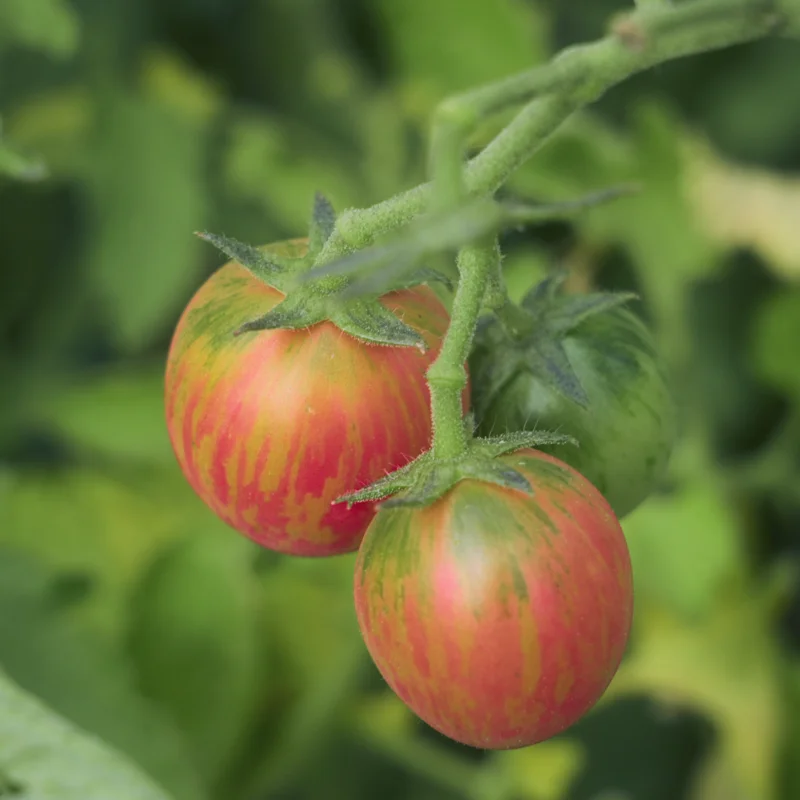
x: 147, y: 651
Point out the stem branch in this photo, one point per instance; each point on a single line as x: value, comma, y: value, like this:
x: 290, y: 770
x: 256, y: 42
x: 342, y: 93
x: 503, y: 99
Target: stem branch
x: 650, y: 35
x: 655, y: 32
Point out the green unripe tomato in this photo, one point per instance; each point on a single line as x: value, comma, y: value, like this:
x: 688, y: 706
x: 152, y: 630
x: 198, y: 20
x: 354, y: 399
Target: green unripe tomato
x: 626, y: 429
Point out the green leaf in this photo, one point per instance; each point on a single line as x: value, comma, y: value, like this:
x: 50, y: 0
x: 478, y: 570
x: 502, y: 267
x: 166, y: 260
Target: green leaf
x: 100, y: 524
x: 117, y: 415
x: 587, y: 152
x: 48, y: 25
x: 193, y: 642
x: 54, y: 124
x: 647, y: 223
x: 76, y: 674
x: 147, y: 194
x: 322, y: 624
x: 774, y: 350
x: 685, y: 546
x: 521, y: 269
x: 544, y: 772
x: 789, y: 766
x: 170, y: 78
x: 19, y: 167
x: 655, y: 157
x: 725, y: 667
x: 740, y: 207
x: 281, y: 167
x: 320, y: 669
x: 44, y: 757
x: 450, y: 45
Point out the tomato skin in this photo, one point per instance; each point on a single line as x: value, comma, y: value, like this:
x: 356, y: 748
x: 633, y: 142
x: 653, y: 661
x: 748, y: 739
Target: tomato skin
x: 270, y: 427
x: 627, y: 431
x: 498, y: 617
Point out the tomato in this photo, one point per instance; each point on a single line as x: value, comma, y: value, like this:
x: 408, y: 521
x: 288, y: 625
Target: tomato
x: 270, y: 427
x: 498, y: 617
x: 626, y: 431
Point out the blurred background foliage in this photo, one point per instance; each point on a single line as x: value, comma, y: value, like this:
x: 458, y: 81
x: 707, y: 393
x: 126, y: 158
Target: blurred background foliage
x: 147, y: 651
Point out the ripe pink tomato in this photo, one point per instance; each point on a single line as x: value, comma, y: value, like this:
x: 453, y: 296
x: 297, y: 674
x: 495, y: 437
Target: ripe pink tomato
x: 271, y: 426
x: 498, y: 617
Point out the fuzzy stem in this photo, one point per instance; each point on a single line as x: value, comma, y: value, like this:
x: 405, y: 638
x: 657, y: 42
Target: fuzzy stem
x: 447, y: 376
x: 650, y: 35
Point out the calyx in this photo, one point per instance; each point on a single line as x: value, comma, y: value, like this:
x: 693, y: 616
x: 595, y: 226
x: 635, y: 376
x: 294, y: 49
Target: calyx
x: 426, y: 479
x: 328, y: 298
x: 530, y: 337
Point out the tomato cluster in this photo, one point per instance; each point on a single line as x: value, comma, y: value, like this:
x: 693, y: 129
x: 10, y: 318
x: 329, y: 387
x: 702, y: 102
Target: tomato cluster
x: 497, y: 615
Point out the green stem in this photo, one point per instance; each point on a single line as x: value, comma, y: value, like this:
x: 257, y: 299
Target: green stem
x: 651, y: 35
x: 447, y: 376
x: 445, y: 163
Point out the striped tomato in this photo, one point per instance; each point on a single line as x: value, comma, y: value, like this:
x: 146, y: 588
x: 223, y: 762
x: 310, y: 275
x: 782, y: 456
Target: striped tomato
x: 270, y: 427
x: 498, y: 617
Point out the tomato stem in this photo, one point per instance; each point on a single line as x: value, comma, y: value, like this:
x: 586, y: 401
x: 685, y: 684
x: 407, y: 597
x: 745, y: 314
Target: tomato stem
x: 447, y: 376
x: 652, y: 34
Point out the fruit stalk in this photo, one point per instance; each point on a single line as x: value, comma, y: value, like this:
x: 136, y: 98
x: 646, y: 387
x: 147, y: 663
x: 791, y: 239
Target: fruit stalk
x: 447, y: 376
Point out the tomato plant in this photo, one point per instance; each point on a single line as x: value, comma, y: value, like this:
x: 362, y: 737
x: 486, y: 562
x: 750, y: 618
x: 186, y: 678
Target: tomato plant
x: 270, y: 427
x: 498, y: 616
x: 625, y: 427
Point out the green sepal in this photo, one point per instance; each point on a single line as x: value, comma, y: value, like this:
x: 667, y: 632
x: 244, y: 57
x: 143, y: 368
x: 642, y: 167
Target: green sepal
x: 497, y: 371
x: 370, y: 321
x: 493, y: 446
x: 547, y: 356
x: 497, y: 473
x: 365, y: 318
x: 293, y: 312
x: 530, y: 338
x: 563, y: 313
x: 305, y: 305
x: 323, y: 222
x: 425, y: 480
x: 392, y: 483
x: 251, y: 258
x: 431, y: 482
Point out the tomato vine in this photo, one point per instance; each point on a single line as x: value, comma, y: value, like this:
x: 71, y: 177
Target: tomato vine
x: 493, y: 585
x: 655, y: 32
